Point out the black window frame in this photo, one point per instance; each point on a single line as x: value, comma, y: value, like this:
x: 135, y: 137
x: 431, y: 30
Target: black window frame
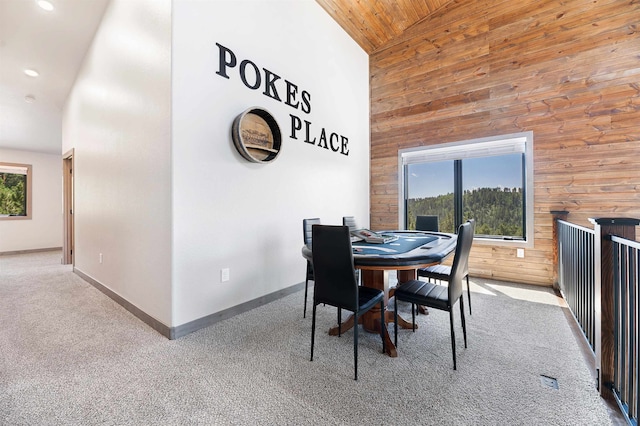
x: 526, y: 240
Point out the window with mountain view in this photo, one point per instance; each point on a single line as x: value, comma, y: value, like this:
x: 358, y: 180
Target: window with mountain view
x: 15, y: 191
x: 484, y: 179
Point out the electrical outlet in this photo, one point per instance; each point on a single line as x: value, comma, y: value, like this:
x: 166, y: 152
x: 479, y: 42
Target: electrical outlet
x: 100, y: 257
x: 224, y: 275
x: 520, y: 253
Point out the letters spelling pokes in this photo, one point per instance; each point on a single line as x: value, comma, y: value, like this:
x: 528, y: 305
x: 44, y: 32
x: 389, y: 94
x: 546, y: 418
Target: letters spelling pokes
x: 252, y: 78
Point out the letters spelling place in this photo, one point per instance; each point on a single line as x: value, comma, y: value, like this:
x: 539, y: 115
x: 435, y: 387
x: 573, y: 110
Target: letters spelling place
x: 253, y: 79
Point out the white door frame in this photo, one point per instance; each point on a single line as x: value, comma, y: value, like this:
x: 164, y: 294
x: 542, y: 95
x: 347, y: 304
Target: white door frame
x: 67, y: 202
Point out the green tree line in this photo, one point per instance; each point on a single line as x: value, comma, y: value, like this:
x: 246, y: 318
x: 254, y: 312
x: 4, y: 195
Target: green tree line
x: 497, y: 211
x: 12, y: 194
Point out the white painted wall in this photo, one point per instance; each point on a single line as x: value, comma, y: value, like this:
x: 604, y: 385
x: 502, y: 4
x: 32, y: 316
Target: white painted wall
x: 44, y: 230
x: 118, y: 120
x: 228, y: 213
x: 159, y: 189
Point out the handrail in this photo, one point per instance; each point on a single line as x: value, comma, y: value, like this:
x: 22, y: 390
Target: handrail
x: 574, y: 225
x: 629, y: 243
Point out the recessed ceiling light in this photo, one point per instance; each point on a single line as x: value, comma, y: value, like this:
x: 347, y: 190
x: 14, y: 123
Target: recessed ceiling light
x: 31, y: 73
x: 29, y: 99
x: 46, y: 5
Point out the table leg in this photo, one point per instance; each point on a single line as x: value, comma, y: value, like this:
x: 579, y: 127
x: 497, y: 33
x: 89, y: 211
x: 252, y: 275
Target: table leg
x: 374, y: 327
x: 388, y: 344
x: 346, y: 325
x: 402, y: 323
x: 406, y: 275
x: 371, y: 320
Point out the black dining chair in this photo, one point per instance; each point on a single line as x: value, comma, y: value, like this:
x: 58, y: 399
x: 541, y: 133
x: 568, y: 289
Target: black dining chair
x: 306, y: 231
x: 442, y: 272
x: 438, y: 296
x: 350, y: 221
x: 427, y: 223
x: 336, y: 285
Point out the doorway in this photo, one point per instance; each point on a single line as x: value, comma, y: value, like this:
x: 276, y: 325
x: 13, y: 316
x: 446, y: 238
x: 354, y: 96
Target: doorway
x: 67, y: 201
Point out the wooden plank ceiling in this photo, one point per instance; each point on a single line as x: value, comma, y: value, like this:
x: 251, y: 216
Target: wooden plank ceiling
x: 373, y: 23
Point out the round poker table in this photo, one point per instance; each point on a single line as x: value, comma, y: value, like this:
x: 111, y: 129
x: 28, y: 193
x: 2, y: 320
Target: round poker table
x: 411, y: 250
x: 408, y: 252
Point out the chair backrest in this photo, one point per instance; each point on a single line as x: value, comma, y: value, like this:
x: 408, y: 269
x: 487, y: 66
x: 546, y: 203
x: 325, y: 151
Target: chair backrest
x: 473, y: 233
x: 427, y: 223
x: 335, y: 278
x: 460, y: 260
x: 306, y: 229
x: 350, y: 221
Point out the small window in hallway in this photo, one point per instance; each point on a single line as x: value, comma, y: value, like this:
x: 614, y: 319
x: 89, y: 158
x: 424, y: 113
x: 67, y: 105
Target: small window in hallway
x: 15, y: 191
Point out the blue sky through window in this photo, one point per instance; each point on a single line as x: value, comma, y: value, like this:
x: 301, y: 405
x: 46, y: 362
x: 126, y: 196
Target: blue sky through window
x: 433, y: 179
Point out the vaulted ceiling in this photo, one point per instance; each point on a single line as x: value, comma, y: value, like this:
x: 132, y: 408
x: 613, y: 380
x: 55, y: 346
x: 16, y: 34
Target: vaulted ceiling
x: 55, y: 42
x: 373, y: 23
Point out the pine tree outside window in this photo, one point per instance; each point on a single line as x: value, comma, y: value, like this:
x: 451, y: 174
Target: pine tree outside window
x: 15, y: 191
x: 488, y: 179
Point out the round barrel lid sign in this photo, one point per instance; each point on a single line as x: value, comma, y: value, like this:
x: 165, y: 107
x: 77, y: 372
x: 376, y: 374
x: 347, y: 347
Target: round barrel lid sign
x: 256, y: 135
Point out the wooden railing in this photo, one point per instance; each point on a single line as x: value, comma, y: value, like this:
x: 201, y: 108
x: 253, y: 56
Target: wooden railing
x: 598, y: 275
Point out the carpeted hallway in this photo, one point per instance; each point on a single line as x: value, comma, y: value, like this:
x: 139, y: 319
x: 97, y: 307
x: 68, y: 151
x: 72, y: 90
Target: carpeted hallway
x: 69, y: 355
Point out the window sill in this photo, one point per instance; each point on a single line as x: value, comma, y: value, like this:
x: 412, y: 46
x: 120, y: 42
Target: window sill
x: 4, y: 217
x: 502, y: 243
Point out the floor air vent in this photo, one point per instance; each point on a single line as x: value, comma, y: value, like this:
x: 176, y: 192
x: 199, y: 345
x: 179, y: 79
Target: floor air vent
x: 549, y: 381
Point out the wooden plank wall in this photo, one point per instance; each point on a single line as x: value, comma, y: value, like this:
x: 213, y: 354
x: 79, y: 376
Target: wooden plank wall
x: 567, y: 70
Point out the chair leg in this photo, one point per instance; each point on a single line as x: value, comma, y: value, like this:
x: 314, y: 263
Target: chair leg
x: 339, y: 322
x: 453, y: 337
x: 395, y: 321
x: 413, y: 316
x: 306, y: 287
x: 355, y: 348
x: 464, y: 326
x: 313, y: 330
x: 469, y: 294
x: 383, y: 325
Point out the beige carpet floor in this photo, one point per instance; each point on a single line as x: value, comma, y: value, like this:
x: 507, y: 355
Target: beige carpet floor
x: 71, y: 356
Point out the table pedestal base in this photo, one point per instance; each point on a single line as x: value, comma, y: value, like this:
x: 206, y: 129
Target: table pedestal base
x: 371, y: 324
x: 371, y: 320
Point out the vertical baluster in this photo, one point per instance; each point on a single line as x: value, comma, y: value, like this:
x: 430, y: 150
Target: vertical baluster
x: 583, y: 283
x: 579, y: 292
x: 617, y: 315
x: 564, y: 260
x: 577, y: 279
x: 624, y: 322
x: 561, y: 256
x: 592, y: 319
x: 570, y: 269
x: 629, y: 353
x: 633, y: 374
